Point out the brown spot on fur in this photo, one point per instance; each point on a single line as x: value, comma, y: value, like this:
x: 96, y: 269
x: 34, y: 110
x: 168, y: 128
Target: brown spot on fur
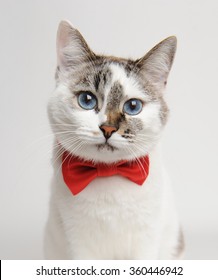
x: 114, y: 118
x: 129, y: 128
x: 115, y: 96
x: 164, y: 111
x: 96, y: 133
x: 101, y: 78
x: 180, y: 246
x: 135, y: 125
x: 107, y: 147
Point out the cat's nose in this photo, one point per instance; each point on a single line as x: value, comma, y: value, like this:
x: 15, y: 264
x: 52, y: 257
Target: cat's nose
x: 108, y: 130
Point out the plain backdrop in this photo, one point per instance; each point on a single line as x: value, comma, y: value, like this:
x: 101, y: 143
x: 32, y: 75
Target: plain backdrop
x: 126, y: 28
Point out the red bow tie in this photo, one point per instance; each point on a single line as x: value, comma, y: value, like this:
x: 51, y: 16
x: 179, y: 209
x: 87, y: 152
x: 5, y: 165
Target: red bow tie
x: 78, y: 174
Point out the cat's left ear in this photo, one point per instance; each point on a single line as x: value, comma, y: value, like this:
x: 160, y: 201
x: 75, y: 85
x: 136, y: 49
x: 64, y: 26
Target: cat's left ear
x: 156, y: 64
x: 72, y: 49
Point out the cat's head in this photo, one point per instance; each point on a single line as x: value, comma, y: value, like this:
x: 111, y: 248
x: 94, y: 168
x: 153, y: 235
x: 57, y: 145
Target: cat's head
x: 105, y: 108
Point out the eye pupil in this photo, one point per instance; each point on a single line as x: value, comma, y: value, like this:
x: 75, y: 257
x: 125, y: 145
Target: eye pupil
x: 133, y: 107
x: 87, y: 100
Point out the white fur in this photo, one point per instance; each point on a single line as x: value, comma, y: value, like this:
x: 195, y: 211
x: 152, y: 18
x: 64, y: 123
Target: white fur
x: 113, y: 218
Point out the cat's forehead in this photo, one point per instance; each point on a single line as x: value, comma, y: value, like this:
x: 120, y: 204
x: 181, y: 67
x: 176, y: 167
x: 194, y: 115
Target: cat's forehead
x: 115, y: 81
x: 112, y: 81
x: 123, y: 83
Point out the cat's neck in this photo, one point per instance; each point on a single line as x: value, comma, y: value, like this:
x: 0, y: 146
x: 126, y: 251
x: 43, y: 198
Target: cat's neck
x: 155, y: 155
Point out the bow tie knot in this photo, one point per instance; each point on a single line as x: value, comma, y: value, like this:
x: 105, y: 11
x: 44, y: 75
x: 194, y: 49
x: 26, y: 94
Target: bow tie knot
x: 109, y: 170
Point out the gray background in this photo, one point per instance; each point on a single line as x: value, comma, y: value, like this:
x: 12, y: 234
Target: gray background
x: 122, y: 28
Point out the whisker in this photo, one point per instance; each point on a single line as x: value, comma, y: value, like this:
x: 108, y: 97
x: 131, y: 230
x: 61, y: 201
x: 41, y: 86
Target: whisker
x: 138, y: 161
x: 76, y: 148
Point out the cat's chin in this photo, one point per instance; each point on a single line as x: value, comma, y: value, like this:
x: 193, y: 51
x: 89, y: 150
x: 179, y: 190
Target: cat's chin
x: 107, y: 153
x: 106, y: 147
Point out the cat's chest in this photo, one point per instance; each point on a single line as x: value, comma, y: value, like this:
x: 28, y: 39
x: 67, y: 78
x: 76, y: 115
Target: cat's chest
x: 113, y: 198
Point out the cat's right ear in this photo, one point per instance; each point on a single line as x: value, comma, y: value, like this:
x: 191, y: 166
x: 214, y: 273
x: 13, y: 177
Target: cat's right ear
x: 72, y: 48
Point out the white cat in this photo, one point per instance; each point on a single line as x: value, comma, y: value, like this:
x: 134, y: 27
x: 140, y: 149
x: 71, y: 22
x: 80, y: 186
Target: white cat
x: 105, y: 110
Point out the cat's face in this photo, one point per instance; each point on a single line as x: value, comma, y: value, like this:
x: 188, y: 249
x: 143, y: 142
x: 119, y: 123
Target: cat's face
x: 104, y: 108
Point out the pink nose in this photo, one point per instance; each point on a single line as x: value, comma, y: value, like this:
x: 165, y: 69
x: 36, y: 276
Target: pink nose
x: 108, y: 130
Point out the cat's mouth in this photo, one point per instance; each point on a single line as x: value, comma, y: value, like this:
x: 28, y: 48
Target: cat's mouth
x: 107, y: 147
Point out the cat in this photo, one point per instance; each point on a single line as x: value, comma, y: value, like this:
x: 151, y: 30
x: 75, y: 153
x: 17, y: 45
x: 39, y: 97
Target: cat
x: 106, y: 110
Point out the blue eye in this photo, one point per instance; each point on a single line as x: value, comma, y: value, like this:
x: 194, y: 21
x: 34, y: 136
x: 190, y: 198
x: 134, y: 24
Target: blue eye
x: 87, y: 100
x: 133, y: 107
